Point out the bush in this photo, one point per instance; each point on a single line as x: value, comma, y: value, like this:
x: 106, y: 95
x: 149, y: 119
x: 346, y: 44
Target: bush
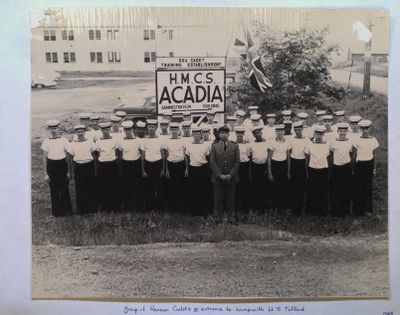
x: 297, y: 64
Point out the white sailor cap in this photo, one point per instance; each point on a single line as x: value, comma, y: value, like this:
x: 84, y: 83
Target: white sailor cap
x: 186, y: 124
x: 53, y: 123
x: 120, y: 113
x: 174, y: 125
x: 140, y: 124
x: 297, y: 124
x: 79, y: 127
x: 320, y: 112
x: 320, y: 129
x: 186, y: 114
x: 230, y: 118
x: 253, y: 107
x: 355, y: 118
x: 84, y: 116
x: 327, y: 117
x: 271, y: 115
x: 365, y: 123
x: 105, y: 125
x: 280, y: 127
x: 115, y: 119
x: 302, y: 115
x: 287, y: 122
x: 164, y: 122
x: 240, y: 129
x: 196, y: 129
x: 342, y: 125
x: 127, y: 124
x: 339, y: 113
x: 255, y: 117
x: 205, y: 129
x: 152, y: 122
x: 286, y: 112
x: 240, y: 113
x: 256, y: 128
x: 94, y: 117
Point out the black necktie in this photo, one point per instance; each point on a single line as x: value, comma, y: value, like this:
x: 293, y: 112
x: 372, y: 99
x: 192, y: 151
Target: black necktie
x: 224, y: 146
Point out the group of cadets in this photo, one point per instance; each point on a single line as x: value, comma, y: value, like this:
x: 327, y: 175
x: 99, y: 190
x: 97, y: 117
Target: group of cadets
x: 321, y: 169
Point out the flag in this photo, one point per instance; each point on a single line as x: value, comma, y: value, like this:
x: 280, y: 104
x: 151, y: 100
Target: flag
x: 247, y: 50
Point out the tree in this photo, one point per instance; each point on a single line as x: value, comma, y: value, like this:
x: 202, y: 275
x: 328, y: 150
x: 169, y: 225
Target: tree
x: 298, y: 65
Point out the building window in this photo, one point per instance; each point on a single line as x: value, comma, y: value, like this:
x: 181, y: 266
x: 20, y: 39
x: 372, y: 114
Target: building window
x: 149, y: 34
x: 51, y: 57
x: 96, y: 57
x: 114, y: 56
x: 171, y: 34
x: 69, y: 57
x: 112, y: 34
x: 49, y: 35
x: 92, y: 34
x: 153, y: 56
x: 171, y: 54
x: 149, y: 56
x: 67, y: 35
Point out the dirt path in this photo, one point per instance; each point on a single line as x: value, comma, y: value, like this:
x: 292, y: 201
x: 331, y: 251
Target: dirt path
x: 334, y: 266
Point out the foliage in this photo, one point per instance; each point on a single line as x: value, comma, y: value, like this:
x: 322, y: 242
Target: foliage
x: 297, y: 64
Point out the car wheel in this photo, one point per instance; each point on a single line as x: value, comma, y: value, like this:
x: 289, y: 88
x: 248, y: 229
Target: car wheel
x: 39, y: 86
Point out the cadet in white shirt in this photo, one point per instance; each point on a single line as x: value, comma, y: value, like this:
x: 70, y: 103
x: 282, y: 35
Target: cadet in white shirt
x: 243, y: 196
x: 116, y: 129
x: 164, y: 126
x: 269, y: 128
x: 107, y: 170
x: 129, y: 147
x: 258, y: 165
x: 84, y: 119
x: 317, y: 153
x: 247, y: 123
x: 95, y: 132
x: 298, y: 165
x: 341, y: 180
x: 339, y: 119
x: 302, y: 117
x: 354, y: 131
x: 256, y: 121
x: 174, y: 169
x: 198, y: 172
x: 319, y: 114
x: 186, y: 131
x: 153, y: 168
x: 279, y: 168
x: 57, y: 169
x: 206, y: 135
x: 81, y: 149
x: 330, y: 134
x: 364, y: 155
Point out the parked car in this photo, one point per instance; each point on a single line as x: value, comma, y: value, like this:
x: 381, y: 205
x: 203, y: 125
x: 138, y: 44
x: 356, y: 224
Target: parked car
x: 40, y: 80
x: 138, y: 111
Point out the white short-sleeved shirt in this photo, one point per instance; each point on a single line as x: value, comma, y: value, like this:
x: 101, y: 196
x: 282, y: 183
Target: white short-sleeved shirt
x: 269, y: 133
x: 298, y: 147
x: 106, y: 149
x: 245, y: 151
x: 319, y: 153
x: 341, y: 151
x: 82, y: 151
x: 259, y: 151
x: 130, y: 148
x: 365, y: 148
x: 152, y: 147
x: 198, y: 153
x: 56, y: 148
x: 175, y: 149
x: 279, y: 149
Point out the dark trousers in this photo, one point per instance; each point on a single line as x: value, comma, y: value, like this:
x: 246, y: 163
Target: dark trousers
x: 85, y: 187
x: 59, y: 191
x: 317, y: 197
x: 199, y: 184
x: 341, y: 190
x: 174, y: 186
x: 280, y: 184
x: 243, y: 199
x: 363, y: 174
x: 130, y: 176
x: 108, y: 180
x: 259, y: 187
x: 224, y: 195
x: 298, y: 184
x: 153, y: 186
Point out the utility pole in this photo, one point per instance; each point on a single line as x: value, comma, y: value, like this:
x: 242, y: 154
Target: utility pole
x: 367, y: 65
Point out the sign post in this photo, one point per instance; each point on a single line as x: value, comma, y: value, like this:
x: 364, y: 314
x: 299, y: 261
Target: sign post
x: 195, y: 84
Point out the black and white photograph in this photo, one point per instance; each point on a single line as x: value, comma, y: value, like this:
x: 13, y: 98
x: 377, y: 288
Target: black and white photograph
x: 209, y: 152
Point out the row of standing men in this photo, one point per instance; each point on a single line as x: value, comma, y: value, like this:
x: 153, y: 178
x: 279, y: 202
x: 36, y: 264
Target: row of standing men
x: 116, y: 165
